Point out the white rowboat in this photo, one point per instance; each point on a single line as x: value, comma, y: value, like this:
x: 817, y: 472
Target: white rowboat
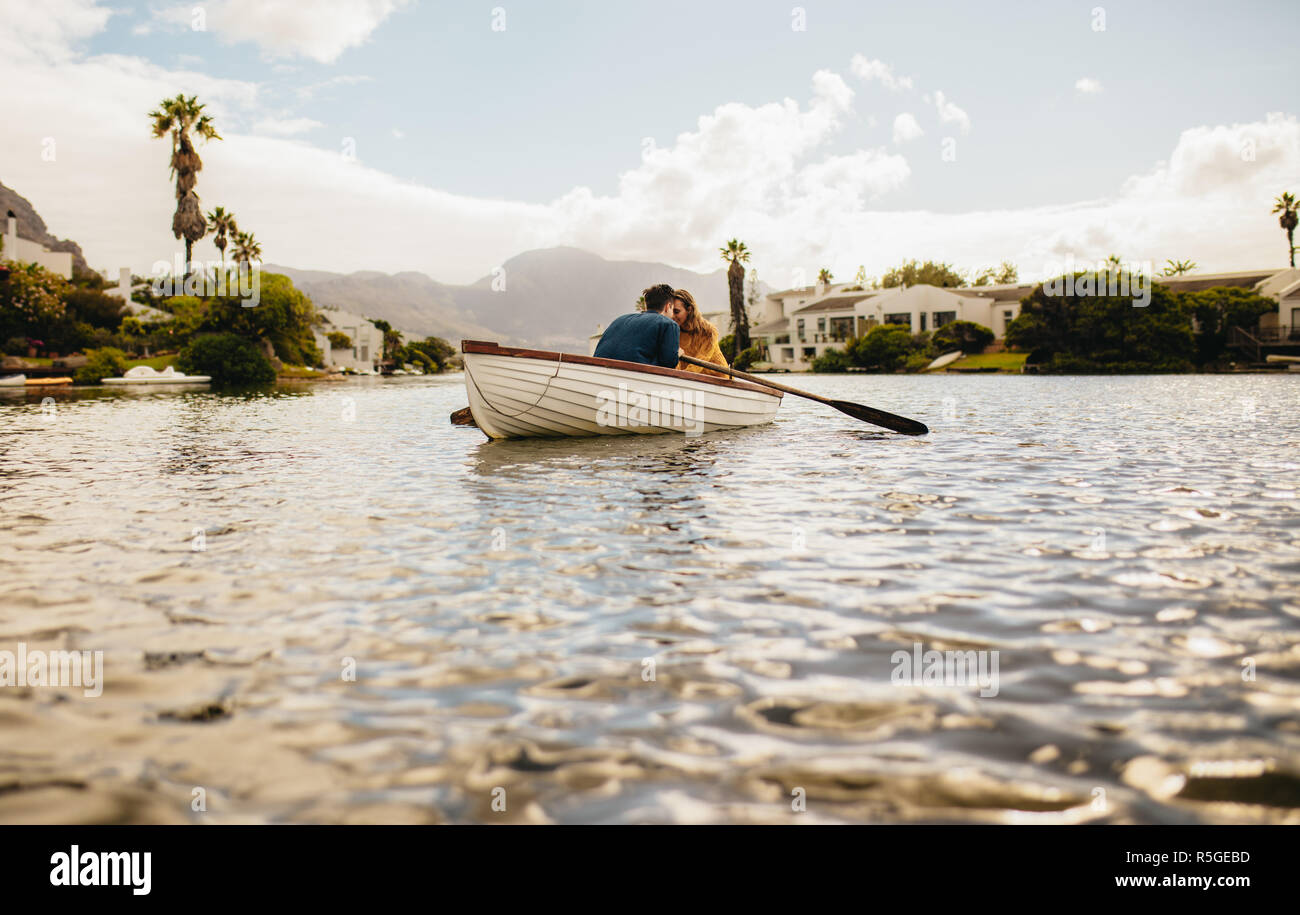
x: 14, y: 381
x: 523, y: 393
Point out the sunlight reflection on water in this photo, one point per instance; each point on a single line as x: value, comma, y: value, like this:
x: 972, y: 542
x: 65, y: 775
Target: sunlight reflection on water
x: 658, y: 629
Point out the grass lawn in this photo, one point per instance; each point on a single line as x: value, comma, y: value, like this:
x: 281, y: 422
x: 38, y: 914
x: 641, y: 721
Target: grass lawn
x: 1003, y: 362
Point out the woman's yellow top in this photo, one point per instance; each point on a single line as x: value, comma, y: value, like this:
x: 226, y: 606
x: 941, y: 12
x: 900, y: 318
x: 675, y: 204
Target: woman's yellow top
x: 704, y: 347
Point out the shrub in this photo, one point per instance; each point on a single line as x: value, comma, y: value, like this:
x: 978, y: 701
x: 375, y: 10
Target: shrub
x: 833, y: 360
x: 728, y: 346
x: 339, y: 340
x: 228, y: 358
x: 885, y: 347
x: 108, y: 362
x: 747, y: 358
x: 917, y: 363
x: 966, y: 336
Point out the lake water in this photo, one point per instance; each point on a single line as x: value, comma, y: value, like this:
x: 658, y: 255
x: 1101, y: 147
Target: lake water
x: 329, y: 605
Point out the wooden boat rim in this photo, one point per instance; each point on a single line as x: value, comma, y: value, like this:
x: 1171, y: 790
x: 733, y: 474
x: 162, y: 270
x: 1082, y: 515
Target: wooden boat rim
x: 482, y: 347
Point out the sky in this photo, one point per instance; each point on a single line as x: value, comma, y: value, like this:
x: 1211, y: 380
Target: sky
x: 447, y: 137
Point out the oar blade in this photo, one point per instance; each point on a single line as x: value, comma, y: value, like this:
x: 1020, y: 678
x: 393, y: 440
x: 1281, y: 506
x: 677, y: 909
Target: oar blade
x: 881, y: 418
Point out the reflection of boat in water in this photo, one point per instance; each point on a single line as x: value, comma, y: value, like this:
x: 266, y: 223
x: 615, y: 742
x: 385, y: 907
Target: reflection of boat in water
x: 522, y: 393
x: 144, y: 374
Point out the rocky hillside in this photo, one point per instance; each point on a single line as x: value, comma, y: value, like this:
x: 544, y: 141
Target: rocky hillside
x: 552, y: 298
x: 32, y: 227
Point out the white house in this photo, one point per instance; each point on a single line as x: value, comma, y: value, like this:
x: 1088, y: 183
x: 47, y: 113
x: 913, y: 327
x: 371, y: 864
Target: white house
x: 810, y: 322
x: 367, y: 341
x: 30, y: 252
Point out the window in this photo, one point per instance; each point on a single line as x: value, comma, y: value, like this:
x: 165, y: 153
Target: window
x: 902, y: 318
x: 787, y: 354
x: 810, y: 352
x: 923, y: 317
x: 944, y: 317
x: 1007, y: 317
x: 841, y: 329
x: 365, y: 353
x: 800, y: 330
x: 821, y: 325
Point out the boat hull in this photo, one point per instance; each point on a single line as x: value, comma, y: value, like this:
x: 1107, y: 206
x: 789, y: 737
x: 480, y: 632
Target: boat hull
x: 515, y: 393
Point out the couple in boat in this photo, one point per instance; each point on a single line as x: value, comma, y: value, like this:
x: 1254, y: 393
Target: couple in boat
x: 670, y: 327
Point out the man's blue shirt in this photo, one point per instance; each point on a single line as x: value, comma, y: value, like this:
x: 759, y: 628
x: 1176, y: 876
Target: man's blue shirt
x: 647, y: 337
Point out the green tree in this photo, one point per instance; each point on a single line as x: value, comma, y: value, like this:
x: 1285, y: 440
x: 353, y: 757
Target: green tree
x: 1217, y: 311
x: 229, y: 358
x: 885, y: 348
x: 284, y: 317
x: 223, y: 225
x: 913, y: 273
x: 832, y: 360
x: 737, y: 254
x: 247, y: 249
x: 436, y: 350
x: 339, y: 340
x: 178, y: 116
x: 1006, y: 272
x: 1104, y: 333
x: 108, y: 362
x: 1177, y: 268
x: 825, y: 277
x: 966, y: 336
x: 32, y: 302
x: 1286, y: 205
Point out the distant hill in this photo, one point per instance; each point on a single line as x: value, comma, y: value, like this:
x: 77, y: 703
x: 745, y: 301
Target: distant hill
x: 32, y: 227
x: 553, y: 298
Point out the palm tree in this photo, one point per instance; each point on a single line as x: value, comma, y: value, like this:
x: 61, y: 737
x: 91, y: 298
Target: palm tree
x: 179, y: 116
x: 824, y: 276
x: 247, y: 249
x: 1177, y: 268
x: 223, y: 224
x: 736, y: 253
x: 1286, y: 205
x: 1113, y: 263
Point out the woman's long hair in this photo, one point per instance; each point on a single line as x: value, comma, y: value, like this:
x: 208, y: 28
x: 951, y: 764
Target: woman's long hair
x: 695, y: 325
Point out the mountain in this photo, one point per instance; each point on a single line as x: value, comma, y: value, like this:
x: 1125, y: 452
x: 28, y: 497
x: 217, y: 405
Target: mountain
x: 553, y: 298
x: 32, y: 227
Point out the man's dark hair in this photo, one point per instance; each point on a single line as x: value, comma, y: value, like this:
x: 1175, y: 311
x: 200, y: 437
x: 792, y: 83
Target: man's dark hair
x: 656, y: 297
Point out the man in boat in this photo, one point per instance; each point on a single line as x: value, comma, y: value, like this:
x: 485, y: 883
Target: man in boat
x: 649, y: 337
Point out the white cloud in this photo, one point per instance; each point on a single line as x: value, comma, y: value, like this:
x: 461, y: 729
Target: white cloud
x: 285, y: 127
x: 906, y: 128
x: 1087, y: 85
x: 347, y: 79
x: 950, y: 113
x: 320, y: 30
x: 399, y: 134
x: 765, y: 173
x: 868, y: 70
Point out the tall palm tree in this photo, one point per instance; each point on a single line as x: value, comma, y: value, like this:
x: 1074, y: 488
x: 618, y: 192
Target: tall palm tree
x: 1113, y: 263
x: 178, y: 116
x: 824, y: 276
x: 1177, y: 268
x: 1286, y: 205
x: 736, y: 253
x: 223, y: 224
x: 247, y: 249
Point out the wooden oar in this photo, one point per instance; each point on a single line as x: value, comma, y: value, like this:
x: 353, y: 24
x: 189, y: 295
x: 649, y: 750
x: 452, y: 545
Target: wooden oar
x: 856, y: 410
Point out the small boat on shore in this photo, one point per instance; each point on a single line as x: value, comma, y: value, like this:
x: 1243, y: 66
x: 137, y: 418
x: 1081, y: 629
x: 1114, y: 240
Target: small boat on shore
x: 13, y: 381
x: 524, y: 393
x: 48, y: 382
x: 144, y: 374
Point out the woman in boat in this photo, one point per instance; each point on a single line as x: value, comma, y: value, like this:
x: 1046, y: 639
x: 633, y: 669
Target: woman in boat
x: 699, y: 338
